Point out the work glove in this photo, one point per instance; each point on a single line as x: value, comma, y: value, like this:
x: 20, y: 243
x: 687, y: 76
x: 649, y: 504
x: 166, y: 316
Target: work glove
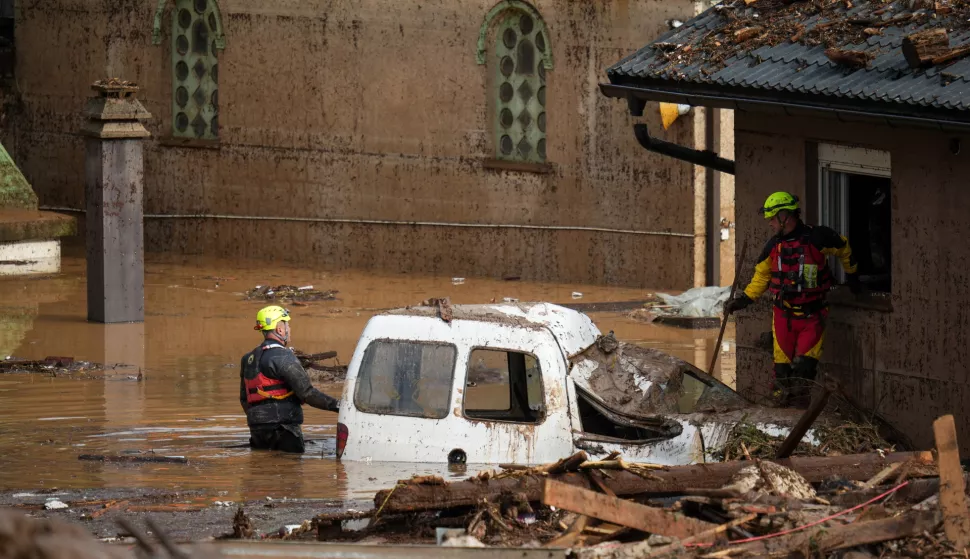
x: 855, y: 286
x: 738, y: 303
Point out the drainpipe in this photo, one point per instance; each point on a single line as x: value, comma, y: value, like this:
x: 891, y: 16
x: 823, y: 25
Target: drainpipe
x: 703, y: 158
x: 712, y: 180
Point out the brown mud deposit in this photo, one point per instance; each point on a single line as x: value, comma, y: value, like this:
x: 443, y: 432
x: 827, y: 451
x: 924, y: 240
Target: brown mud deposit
x: 170, y: 385
x: 619, y: 365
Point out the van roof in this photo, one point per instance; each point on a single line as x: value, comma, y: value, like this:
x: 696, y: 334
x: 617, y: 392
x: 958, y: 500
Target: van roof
x: 573, y: 329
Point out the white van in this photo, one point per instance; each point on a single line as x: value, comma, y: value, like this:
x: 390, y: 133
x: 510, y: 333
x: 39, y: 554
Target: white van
x: 528, y: 384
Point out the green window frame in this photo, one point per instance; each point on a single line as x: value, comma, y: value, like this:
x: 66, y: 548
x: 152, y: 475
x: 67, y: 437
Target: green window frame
x: 519, y: 76
x: 196, y: 37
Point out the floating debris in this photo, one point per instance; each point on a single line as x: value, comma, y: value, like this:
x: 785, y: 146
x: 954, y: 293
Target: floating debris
x: 293, y: 293
x: 49, y: 365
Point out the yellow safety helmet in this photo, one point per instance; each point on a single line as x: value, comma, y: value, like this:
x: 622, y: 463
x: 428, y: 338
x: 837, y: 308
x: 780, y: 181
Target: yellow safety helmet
x: 268, y: 317
x: 777, y: 202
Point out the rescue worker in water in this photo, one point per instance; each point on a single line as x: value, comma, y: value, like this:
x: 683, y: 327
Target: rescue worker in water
x: 273, y: 387
x: 793, y: 268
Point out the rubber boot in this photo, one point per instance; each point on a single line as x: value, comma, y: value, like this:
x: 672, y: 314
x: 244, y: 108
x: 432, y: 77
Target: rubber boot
x: 804, y: 371
x: 781, y: 385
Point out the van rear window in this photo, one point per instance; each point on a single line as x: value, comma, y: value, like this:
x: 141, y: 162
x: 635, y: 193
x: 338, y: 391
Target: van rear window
x: 406, y: 378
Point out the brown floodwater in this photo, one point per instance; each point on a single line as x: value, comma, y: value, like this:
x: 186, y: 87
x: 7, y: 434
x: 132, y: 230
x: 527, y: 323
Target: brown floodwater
x: 170, y: 385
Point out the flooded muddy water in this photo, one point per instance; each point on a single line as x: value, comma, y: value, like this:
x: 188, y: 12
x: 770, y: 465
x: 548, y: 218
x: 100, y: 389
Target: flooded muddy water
x: 170, y: 385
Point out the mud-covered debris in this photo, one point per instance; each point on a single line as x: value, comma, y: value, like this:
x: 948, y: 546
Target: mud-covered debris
x: 464, y: 540
x: 320, y: 372
x: 49, y: 365
x: 46, y: 538
x: 242, y: 526
x: 834, y: 439
x: 745, y: 27
x: 290, y: 293
x: 849, y: 58
x: 443, y: 306
x: 607, y: 343
x: 134, y: 458
x: 768, y: 478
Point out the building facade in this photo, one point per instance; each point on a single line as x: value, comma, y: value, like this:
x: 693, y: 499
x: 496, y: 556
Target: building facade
x: 874, y: 145
x: 462, y: 137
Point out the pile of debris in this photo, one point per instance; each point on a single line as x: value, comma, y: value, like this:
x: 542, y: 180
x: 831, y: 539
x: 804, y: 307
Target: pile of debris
x: 838, y: 25
x: 52, y: 366
x: 846, y: 437
x: 290, y: 294
x: 883, y: 504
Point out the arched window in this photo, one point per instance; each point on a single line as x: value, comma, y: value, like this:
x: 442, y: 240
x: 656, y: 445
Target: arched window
x: 522, y: 54
x: 196, y: 36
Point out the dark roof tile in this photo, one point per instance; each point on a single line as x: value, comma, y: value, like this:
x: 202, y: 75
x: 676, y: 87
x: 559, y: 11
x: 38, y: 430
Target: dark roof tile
x: 802, y: 68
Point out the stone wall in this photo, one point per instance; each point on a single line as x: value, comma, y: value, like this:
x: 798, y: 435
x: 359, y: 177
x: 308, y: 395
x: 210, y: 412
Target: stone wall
x: 366, y: 123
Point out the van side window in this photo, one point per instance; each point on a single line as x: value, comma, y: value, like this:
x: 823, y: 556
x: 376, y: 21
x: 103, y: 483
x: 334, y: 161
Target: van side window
x: 503, y: 386
x: 406, y: 378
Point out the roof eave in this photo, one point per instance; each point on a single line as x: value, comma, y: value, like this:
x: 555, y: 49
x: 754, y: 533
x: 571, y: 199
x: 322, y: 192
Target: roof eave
x: 735, y: 98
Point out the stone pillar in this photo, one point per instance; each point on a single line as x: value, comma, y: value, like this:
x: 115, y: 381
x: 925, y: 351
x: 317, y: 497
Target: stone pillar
x: 114, y: 174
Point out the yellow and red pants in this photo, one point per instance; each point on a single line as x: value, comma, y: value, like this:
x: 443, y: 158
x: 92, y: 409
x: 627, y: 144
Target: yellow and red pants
x: 797, y: 349
x: 797, y: 335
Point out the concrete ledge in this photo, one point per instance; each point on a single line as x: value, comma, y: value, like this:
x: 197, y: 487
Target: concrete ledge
x: 31, y: 225
x: 30, y: 257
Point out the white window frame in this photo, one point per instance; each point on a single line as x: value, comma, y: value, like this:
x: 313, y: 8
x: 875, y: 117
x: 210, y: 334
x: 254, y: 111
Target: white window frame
x: 844, y: 159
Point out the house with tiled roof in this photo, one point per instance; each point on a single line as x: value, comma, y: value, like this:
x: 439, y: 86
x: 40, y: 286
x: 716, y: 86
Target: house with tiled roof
x: 861, y: 109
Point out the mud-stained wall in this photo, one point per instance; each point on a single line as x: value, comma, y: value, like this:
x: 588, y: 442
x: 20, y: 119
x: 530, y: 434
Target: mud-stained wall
x: 910, y: 363
x: 341, y: 113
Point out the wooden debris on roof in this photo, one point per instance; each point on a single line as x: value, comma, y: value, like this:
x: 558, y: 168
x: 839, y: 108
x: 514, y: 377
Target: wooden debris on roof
x: 850, y: 58
x: 922, y: 47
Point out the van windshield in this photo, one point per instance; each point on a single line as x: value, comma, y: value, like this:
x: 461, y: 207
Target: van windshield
x: 406, y: 378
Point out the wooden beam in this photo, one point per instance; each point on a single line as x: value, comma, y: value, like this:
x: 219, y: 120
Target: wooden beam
x: 824, y: 539
x: 920, y: 48
x: 953, y: 500
x: 804, y: 424
x: 675, y: 480
x: 619, y: 511
x: 953, y: 54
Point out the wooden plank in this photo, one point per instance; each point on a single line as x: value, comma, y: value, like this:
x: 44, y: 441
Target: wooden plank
x: 674, y: 480
x: 618, y: 511
x: 953, y: 500
x: 569, y: 537
x: 882, y: 476
x: 824, y: 539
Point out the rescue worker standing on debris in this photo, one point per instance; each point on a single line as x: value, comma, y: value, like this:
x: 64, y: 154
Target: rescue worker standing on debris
x: 793, y: 268
x: 274, y: 386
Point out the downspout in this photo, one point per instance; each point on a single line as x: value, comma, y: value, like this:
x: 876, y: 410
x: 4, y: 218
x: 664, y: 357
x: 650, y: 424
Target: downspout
x: 712, y: 180
x: 705, y: 158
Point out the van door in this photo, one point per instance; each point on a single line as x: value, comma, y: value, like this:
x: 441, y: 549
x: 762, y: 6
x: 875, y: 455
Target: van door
x: 514, y: 400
